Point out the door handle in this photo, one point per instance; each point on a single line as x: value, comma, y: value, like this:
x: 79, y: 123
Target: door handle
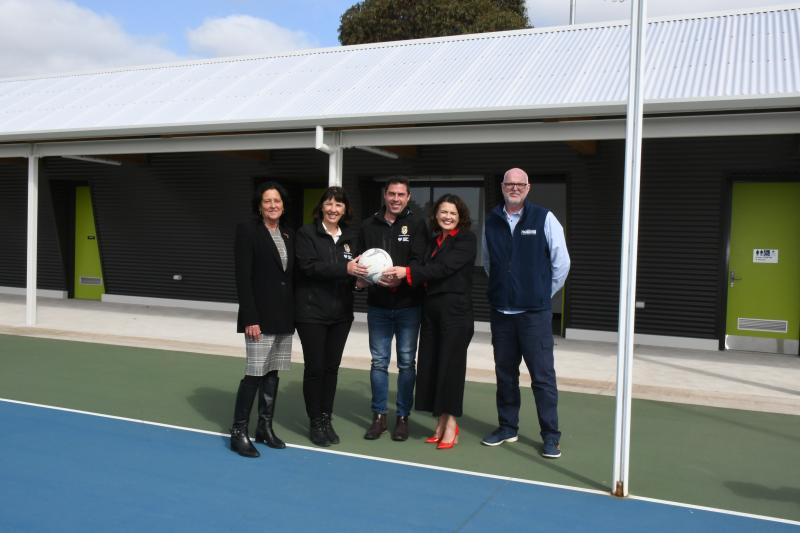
x: 733, y: 279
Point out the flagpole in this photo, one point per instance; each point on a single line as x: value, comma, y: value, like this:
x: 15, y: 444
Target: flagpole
x: 630, y: 234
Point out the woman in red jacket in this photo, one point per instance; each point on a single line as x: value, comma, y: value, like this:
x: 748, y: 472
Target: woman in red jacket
x: 447, y: 323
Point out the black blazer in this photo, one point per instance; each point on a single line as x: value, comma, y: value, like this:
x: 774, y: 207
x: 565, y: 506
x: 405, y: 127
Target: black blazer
x: 324, y: 293
x: 450, y: 270
x: 265, y: 291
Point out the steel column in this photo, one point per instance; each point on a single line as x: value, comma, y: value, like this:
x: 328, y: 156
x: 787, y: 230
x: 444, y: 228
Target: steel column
x: 33, y: 223
x: 628, y: 262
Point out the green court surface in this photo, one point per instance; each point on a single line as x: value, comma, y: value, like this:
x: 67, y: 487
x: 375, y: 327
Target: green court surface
x: 729, y: 459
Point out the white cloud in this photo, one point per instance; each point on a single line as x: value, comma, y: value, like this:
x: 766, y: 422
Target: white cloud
x: 549, y: 13
x: 244, y: 35
x: 51, y: 36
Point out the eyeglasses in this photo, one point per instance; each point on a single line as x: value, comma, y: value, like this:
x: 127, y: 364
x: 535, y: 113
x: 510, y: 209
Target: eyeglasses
x: 517, y: 186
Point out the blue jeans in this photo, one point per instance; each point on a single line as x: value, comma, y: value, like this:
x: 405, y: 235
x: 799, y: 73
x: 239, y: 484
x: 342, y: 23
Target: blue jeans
x: 383, y: 324
x: 525, y: 336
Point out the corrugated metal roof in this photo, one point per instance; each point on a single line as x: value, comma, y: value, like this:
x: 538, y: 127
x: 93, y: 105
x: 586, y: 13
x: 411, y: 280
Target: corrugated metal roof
x: 733, y: 60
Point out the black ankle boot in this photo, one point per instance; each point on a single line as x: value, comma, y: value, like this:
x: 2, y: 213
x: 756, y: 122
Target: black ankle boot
x: 268, y: 391
x: 317, y: 432
x: 240, y: 441
x: 333, y: 438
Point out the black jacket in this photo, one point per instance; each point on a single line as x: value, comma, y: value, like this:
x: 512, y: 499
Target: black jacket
x: 323, y: 289
x: 450, y: 270
x: 263, y: 287
x: 406, y: 241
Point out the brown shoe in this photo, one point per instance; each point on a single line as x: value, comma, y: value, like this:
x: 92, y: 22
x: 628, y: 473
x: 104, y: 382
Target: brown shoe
x: 377, y: 428
x: 400, y: 432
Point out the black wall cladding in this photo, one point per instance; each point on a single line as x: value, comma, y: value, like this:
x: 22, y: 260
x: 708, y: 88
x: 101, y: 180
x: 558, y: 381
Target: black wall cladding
x: 14, y: 227
x: 167, y: 214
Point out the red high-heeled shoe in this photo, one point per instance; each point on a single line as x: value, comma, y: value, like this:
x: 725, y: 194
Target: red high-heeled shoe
x: 433, y: 439
x: 448, y: 445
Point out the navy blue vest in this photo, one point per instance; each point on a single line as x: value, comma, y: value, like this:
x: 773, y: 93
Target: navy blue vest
x: 520, y: 271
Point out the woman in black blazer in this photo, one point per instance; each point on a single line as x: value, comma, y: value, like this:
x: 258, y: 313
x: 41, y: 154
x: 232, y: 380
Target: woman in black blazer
x: 327, y: 250
x: 447, y: 324
x: 264, y: 254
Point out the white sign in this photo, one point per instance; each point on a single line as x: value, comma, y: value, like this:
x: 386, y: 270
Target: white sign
x: 765, y: 255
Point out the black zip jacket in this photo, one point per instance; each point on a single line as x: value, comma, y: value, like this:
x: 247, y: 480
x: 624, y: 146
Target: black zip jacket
x: 323, y: 289
x: 406, y: 241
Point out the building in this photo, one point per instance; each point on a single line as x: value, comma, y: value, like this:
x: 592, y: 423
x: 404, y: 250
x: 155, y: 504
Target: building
x: 140, y: 174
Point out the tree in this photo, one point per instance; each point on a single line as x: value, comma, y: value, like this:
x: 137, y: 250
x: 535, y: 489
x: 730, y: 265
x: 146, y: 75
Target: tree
x: 372, y: 21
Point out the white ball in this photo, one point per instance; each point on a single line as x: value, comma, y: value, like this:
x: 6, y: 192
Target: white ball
x: 376, y: 260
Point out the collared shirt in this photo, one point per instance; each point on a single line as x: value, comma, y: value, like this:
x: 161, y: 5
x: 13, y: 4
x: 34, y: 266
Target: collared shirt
x: 335, y: 235
x: 559, y: 257
x: 440, y: 239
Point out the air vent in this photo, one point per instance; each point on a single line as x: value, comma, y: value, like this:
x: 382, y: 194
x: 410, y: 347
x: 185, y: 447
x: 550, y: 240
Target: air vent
x: 90, y: 281
x: 758, y: 324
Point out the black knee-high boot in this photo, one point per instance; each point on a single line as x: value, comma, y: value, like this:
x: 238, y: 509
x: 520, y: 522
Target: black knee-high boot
x: 240, y: 441
x: 268, y: 392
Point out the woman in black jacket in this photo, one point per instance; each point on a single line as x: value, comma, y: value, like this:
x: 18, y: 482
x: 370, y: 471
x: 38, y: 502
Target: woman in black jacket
x: 326, y: 255
x: 264, y: 256
x: 447, y: 323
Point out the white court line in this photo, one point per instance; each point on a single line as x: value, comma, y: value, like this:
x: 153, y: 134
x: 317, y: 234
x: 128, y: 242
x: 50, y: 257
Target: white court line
x: 418, y: 465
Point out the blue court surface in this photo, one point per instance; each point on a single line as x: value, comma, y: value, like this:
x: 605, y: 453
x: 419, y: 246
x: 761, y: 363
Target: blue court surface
x: 69, y: 471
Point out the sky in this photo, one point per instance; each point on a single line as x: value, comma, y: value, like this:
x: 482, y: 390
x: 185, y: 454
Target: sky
x: 40, y: 37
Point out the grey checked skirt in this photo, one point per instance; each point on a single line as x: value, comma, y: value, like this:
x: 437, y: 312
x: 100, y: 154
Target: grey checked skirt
x: 268, y: 353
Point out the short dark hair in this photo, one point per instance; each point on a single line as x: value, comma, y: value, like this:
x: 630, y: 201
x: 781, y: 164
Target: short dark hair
x: 337, y: 194
x: 258, y: 194
x: 402, y: 180
x: 464, y: 222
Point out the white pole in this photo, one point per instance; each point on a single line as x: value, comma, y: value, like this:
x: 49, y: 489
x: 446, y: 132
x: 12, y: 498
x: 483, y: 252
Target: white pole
x: 572, y: 12
x: 33, y: 219
x: 335, y: 168
x: 630, y: 236
x: 335, y: 153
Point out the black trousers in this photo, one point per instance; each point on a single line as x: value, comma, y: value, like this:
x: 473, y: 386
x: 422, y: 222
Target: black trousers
x: 323, y: 345
x: 447, y: 328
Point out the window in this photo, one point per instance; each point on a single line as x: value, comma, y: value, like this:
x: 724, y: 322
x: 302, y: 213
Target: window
x: 426, y: 190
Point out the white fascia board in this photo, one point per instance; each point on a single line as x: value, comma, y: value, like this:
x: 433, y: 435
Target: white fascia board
x: 486, y: 133
x: 772, y: 123
x: 15, y: 150
x: 327, y: 121
x: 780, y: 123
x: 215, y: 143
x: 553, y: 111
x: 729, y: 103
x: 654, y: 127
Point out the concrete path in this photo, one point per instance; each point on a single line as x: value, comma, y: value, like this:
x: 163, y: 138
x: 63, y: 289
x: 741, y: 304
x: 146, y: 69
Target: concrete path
x: 741, y: 380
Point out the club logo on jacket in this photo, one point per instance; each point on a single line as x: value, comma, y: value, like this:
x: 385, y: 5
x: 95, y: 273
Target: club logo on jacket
x: 404, y: 236
x: 347, y: 254
x: 529, y: 232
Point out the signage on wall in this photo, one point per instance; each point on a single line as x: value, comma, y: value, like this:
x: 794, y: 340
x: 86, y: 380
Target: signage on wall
x: 765, y: 255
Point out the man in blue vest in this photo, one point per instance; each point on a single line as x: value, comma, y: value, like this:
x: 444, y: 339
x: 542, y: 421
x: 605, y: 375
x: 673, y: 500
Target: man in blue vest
x: 525, y: 256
